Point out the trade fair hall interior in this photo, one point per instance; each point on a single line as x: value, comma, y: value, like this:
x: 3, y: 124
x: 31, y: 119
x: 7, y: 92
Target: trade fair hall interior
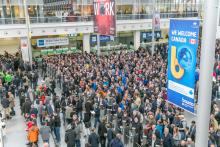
x: 109, y: 73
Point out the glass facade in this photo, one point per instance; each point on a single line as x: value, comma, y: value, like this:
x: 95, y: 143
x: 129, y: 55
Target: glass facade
x: 11, y: 12
x: 49, y: 11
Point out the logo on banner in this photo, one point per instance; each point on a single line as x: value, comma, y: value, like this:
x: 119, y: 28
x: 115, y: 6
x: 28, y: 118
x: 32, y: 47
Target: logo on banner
x: 192, y: 41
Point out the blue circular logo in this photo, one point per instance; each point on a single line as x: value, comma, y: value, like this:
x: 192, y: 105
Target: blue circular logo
x: 185, y: 58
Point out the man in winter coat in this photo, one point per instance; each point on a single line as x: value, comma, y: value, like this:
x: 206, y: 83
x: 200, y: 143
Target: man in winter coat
x: 93, y: 139
x: 102, y: 131
x: 167, y: 138
x: 26, y: 108
x: 117, y: 141
x: 70, y: 136
x: 5, y: 104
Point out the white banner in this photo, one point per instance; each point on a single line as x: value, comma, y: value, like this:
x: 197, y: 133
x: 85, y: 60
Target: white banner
x: 24, y: 49
x: 46, y: 42
x: 156, y: 21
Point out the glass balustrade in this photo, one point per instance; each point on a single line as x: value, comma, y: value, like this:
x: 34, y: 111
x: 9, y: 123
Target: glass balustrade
x: 14, y: 14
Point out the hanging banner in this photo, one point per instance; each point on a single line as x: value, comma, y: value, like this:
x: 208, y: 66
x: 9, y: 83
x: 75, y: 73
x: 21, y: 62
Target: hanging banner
x: 46, y: 42
x: 104, y: 17
x: 148, y: 35
x: 156, y: 21
x: 24, y: 49
x: 183, y: 44
x: 103, y: 38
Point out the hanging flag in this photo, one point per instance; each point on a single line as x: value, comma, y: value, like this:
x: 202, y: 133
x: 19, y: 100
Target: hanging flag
x: 104, y: 17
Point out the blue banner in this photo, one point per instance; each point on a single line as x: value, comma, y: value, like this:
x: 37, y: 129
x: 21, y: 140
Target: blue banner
x: 183, y: 44
x: 103, y: 38
x: 148, y: 35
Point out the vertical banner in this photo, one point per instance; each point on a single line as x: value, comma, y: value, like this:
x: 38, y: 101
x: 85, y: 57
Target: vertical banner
x: 156, y: 21
x: 24, y: 49
x: 104, y: 17
x: 183, y: 44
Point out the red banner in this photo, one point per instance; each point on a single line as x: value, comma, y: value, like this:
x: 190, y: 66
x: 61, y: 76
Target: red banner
x: 104, y: 17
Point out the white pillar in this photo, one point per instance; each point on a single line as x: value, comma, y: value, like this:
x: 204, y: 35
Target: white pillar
x: 29, y: 32
x: 86, y: 43
x: 206, y: 69
x: 137, y: 39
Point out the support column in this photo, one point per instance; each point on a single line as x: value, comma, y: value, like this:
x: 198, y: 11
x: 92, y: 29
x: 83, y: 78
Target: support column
x: 137, y: 39
x: 86, y: 43
x: 206, y: 69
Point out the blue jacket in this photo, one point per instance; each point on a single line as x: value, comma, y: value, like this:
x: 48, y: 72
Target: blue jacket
x: 116, y: 143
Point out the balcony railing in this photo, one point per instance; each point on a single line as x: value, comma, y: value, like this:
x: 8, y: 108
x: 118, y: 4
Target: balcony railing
x: 54, y: 19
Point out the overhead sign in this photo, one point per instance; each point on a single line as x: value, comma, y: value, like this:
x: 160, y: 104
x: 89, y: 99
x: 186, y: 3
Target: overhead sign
x: 183, y: 44
x: 46, y: 42
x: 103, y: 38
x: 148, y: 35
x: 104, y: 17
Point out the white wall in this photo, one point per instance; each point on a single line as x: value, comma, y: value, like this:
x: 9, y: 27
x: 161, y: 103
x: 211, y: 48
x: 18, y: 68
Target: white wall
x: 11, y: 45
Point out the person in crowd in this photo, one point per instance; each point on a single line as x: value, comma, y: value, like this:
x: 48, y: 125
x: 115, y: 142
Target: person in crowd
x: 33, y: 134
x: 26, y: 108
x: 70, y: 136
x: 78, y: 130
x: 129, y: 87
x: 87, y: 123
x: 45, y: 132
x: 167, y: 138
x: 33, y: 111
x: 116, y: 142
x: 68, y: 112
x: 155, y: 141
x: 56, y: 125
x: 192, y: 131
x: 190, y: 143
x: 110, y: 134
x: 6, y: 107
x: 93, y: 139
x: 102, y: 132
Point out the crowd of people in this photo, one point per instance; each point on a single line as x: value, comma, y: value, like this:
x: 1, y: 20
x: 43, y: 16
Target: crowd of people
x: 111, y: 101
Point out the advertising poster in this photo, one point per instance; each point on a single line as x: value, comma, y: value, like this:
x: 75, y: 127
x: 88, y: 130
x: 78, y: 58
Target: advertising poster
x: 103, y: 38
x: 24, y: 49
x: 47, y: 42
x: 104, y: 17
x: 183, y: 44
x: 156, y: 21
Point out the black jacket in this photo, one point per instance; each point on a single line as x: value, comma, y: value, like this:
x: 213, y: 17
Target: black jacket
x: 102, y: 130
x: 70, y: 136
x: 168, y: 140
x: 93, y: 140
x: 26, y: 107
x: 5, y: 103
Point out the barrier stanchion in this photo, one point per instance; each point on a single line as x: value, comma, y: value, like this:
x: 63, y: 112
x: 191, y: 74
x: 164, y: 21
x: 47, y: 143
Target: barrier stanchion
x: 115, y: 122
x: 108, y: 115
x: 123, y: 130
